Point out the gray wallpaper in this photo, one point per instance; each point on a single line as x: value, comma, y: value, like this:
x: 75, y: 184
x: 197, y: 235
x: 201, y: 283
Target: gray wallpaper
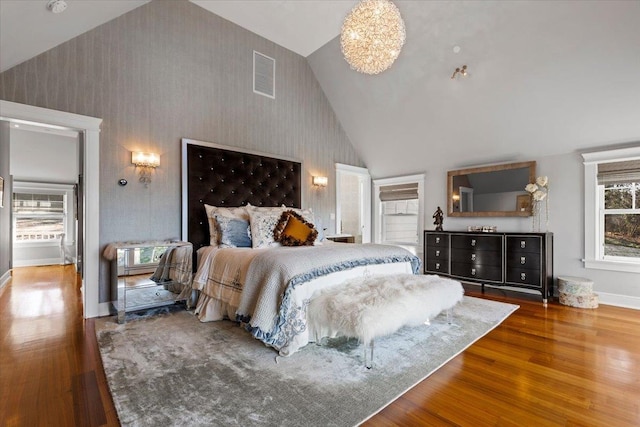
x: 169, y: 70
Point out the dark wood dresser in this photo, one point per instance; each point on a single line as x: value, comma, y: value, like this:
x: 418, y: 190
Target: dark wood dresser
x: 522, y: 260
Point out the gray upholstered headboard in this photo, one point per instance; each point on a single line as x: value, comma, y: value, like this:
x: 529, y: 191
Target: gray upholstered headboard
x: 218, y: 175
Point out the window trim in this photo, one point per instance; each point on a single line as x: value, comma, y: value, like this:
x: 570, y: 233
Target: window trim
x: 593, y: 258
x: 377, y: 217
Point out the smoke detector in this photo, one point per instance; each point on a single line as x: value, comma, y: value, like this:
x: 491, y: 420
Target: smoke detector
x: 57, y: 6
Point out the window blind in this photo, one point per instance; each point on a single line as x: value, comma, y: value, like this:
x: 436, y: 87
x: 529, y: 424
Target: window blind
x: 619, y: 172
x: 399, y: 192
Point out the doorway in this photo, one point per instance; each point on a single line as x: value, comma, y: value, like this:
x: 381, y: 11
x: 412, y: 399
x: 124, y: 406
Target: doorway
x: 353, y: 203
x: 88, y: 129
x: 44, y: 168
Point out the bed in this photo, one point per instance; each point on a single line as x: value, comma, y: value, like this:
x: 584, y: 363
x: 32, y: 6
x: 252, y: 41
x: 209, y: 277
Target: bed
x: 260, y: 282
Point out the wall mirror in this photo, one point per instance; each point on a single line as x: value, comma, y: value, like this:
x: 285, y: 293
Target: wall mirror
x: 490, y: 190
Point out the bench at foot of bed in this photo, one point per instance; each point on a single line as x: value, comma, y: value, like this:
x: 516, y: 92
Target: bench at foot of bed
x: 371, y: 307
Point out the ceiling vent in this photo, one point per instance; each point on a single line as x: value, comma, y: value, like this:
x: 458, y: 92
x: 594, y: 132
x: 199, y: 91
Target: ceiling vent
x: 264, y: 73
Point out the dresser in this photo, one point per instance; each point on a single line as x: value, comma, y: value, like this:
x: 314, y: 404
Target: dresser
x: 523, y: 260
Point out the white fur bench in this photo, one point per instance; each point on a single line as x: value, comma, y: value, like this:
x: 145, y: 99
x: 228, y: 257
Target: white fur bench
x: 370, y: 307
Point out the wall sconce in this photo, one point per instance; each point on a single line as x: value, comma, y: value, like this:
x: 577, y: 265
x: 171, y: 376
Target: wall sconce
x: 146, y: 162
x: 461, y: 71
x: 320, y: 181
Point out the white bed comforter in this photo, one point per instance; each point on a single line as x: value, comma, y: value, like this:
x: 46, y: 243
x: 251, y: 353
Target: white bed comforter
x: 269, y: 289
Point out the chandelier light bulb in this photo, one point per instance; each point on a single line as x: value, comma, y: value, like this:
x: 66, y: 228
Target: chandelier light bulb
x: 372, y: 36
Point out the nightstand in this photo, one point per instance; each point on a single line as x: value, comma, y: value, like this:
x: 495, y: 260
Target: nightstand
x: 341, y: 238
x: 146, y: 275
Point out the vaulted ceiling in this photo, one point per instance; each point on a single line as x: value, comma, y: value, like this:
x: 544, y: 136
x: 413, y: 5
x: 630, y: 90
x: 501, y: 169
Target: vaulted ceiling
x: 27, y: 28
x: 545, y: 77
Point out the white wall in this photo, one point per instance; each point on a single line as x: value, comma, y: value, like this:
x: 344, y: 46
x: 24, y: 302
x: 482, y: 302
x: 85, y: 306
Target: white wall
x: 546, y: 81
x: 43, y: 157
x: 566, y: 221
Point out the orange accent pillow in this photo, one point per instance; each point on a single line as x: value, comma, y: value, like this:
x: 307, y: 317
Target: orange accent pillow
x: 293, y: 230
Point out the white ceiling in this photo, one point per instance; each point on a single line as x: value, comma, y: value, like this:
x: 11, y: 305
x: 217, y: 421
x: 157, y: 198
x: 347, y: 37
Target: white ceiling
x: 545, y: 77
x: 27, y: 28
x: 299, y: 25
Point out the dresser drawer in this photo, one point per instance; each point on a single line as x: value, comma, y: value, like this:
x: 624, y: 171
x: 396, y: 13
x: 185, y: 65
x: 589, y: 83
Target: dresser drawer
x: 519, y: 260
x: 437, y: 267
x: 519, y: 244
x: 523, y: 276
x: 437, y: 240
x: 477, y: 272
x: 477, y: 257
x: 437, y: 253
x: 482, y: 242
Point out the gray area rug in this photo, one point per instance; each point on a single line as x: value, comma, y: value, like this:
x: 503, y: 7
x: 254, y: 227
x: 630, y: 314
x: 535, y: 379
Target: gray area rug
x: 170, y: 369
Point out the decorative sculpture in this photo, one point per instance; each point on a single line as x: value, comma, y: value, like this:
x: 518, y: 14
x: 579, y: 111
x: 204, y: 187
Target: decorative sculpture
x: 439, y: 218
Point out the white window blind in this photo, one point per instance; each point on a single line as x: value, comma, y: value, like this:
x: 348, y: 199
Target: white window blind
x: 399, y: 192
x: 619, y: 172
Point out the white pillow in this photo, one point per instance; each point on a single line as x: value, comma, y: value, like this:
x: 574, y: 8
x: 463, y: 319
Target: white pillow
x: 214, y: 228
x: 262, y: 223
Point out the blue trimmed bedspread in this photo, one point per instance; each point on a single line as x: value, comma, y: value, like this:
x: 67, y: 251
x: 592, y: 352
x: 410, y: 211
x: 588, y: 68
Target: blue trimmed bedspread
x: 269, y: 289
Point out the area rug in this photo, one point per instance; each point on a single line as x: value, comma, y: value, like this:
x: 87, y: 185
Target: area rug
x: 170, y: 369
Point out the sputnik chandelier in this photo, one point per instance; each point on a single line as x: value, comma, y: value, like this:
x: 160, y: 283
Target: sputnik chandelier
x: 372, y: 36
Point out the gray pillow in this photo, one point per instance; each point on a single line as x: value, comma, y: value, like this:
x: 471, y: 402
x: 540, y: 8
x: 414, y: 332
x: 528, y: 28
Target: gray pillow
x: 234, y: 233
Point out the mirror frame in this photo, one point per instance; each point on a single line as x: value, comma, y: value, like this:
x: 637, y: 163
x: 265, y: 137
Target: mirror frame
x: 532, y: 177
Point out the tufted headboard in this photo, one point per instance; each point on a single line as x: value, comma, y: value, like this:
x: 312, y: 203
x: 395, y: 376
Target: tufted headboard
x: 218, y: 175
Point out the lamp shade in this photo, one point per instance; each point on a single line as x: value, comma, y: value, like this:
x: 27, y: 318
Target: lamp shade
x: 151, y: 160
x: 320, y: 181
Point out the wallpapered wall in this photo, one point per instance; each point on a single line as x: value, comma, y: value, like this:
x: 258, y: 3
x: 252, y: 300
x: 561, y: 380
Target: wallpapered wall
x: 169, y: 70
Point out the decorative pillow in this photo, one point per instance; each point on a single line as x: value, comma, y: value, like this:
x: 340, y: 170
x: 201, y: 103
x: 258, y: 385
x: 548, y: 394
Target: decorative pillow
x: 293, y: 230
x: 308, y: 215
x: 234, y: 232
x: 214, y: 228
x: 262, y: 224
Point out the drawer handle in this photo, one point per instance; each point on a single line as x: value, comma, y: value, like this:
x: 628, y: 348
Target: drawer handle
x: 523, y: 260
x: 473, y: 257
x: 473, y: 271
x: 523, y: 276
x: 523, y: 244
x: 473, y: 242
x: 437, y: 253
x: 437, y: 240
x: 437, y: 266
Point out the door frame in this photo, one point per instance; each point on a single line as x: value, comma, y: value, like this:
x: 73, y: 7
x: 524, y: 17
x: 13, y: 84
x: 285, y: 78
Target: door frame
x: 90, y: 127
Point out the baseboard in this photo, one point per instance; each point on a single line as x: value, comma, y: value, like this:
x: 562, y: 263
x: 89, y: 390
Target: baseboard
x: 104, y: 309
x: 625, y: 301
x: 37, y: 262
x: 4, y: 279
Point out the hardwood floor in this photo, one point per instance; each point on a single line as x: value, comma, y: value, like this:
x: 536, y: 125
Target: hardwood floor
x: 50, y: 369
x: 553, y: 366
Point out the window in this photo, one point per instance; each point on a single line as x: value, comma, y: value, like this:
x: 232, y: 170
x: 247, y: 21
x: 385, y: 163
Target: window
x: 612, y: 210
x: 399, y: 211
x: 38, y: 217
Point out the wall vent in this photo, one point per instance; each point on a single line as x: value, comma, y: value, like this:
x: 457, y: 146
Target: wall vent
x: 264, y: 74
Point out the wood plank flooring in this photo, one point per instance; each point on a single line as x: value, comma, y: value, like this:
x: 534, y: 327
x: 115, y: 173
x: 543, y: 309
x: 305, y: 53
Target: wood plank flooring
x: 553, y: 366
